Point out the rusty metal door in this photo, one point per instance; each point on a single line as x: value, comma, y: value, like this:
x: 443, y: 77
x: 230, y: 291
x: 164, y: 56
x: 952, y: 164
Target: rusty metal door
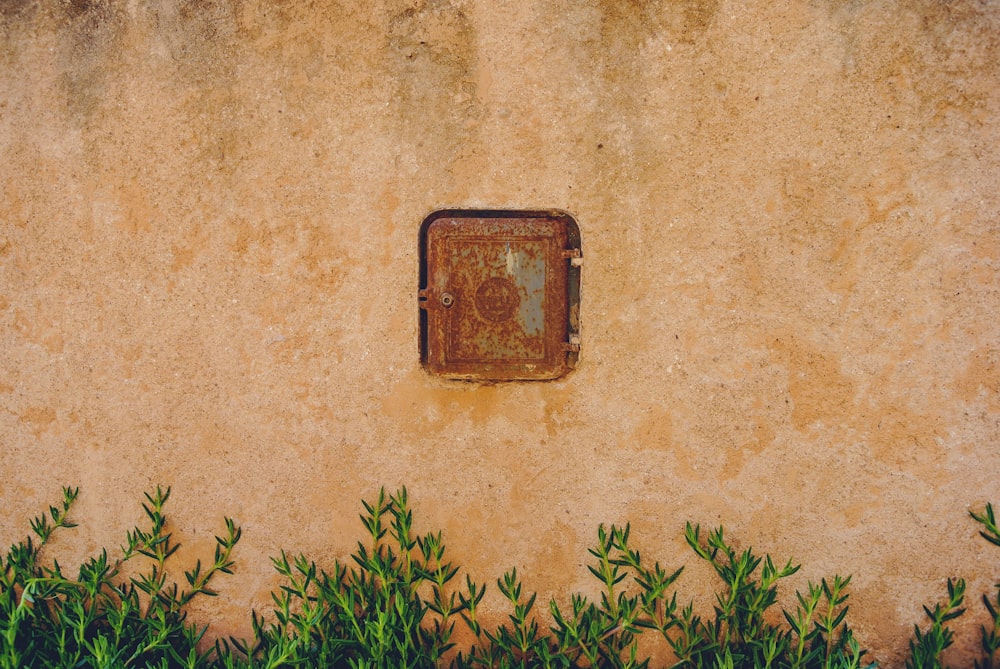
x: 499, y: 294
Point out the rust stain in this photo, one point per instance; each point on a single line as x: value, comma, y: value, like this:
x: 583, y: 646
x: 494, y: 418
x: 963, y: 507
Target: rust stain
x: 656, y: 430
x: 820, y: 393
x: 33, y: 327
x: 906, y: 440
x: 432, y: 410
x: 39, y: 419
x: 981, y: 377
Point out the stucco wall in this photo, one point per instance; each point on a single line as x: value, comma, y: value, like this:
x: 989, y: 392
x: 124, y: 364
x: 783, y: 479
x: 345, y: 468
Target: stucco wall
x: 791, y: 229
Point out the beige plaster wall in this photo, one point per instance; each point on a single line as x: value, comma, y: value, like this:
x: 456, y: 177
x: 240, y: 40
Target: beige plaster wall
x: 791, y: 229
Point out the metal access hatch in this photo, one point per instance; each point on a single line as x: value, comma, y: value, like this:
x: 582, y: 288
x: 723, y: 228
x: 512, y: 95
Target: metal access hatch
x: 499, y: 294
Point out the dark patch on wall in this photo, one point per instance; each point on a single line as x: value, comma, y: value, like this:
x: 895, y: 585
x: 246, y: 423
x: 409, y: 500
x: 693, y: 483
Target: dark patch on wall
x: 15, y: 17
x: 626, y: 24
x: 697, y: 17
x: 92, y: 50
x: 628, y: 30
x: 203, y: 41
x: 16, y: 9
x: 201, y: 35
x: 947, y: 27
x: 432, y: 60
x: 886, y: 64
x: 76, y: 8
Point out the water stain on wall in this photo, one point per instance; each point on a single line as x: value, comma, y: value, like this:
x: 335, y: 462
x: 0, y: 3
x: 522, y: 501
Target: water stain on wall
x: 432, y: 61
x: 91, y: 56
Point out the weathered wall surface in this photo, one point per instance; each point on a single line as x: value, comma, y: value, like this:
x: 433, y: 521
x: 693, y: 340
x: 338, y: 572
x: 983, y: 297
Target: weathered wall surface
x: 791, y: 229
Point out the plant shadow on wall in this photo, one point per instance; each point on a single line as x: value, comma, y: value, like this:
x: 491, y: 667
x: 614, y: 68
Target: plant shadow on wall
x: 396, y: 604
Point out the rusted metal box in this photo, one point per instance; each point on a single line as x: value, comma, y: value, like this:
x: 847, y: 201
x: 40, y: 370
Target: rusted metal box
x: 499, y: 294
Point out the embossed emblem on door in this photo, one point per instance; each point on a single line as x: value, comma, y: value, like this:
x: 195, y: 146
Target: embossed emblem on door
x: 497, y: 299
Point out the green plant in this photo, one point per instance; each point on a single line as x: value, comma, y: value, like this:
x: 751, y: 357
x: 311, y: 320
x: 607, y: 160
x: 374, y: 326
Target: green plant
x: 991, y: 634
x: 926, y: 647
x: 740, y: 629
x: 393, y: 608
x: 97, y: 619
x: 741, y: 633
x: 636, y: 597
x: 606, y: 633
x: 393, y: 604
x: 586, y: 634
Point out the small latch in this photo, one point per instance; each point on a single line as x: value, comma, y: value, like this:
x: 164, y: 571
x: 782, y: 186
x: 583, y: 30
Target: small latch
x: 575, y: 256
x: 573, y: 345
